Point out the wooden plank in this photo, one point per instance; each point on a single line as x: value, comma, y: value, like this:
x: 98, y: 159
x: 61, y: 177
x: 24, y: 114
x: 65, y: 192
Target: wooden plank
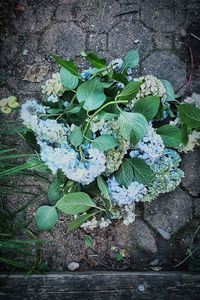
x: 101, y: 285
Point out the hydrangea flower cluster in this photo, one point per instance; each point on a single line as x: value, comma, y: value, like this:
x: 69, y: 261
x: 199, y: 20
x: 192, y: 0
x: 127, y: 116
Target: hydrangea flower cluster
x: 150, y: 148
x: 167, y: 175
x: 53, y: 88
x: 121, y: 195
x: 87, y: 127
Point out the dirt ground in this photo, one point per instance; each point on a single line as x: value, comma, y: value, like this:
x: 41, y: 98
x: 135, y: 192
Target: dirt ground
x: 167, y: 34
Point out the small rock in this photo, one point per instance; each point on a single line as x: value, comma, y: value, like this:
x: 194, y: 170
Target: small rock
x: 141, y: 288
x: 166, y: 235
x: 183, y: 33
x: 73, y: 266
x: 154, y: 262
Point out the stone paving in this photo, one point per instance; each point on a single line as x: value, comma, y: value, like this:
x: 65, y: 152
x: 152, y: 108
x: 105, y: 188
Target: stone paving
x: 162, y: 32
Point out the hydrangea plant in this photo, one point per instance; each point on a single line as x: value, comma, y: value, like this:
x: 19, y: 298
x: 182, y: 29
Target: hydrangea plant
x: 110, y: 140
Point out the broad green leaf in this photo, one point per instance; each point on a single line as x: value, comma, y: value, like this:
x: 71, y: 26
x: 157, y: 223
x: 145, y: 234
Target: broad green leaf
x: 88, y: 240
x: 147, y: 106
x: 124, y: 174
x: 92, y: 94
x: 76, y: 136
x: 54, y: 191
x: 103, y: 187
x: 105, y: 142
x: 120, y: 77
x: 105, y: 116
x: 132, y: 126
x: 189, y: 115
x: 170, y: 95
x: 142, y: 171
x: 68, y: 80
x: 131, y: 59
x: 96, y: 61
x: 78, y: 222
x: 75, y: 203
x: 46, y: 217
x: 67, y: 64
x: 171, y: 135
x: 130, y: 90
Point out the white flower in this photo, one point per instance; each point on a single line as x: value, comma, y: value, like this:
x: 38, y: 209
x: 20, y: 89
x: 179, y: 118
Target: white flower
x: 193, y: 140
x: 51, y: 131
x: 194, y: 99
x: 53, y: 88
x: 129, y: 211
x: 150, y: 148
x: 122, y: 195
x: 30, y: 113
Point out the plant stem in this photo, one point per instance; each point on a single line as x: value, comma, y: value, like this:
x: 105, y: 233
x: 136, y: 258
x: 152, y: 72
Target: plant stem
x: 71, y: 102
x: 100, y: 109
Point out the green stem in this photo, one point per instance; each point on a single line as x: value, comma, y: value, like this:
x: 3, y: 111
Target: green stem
x: 71, y: 102
x: 100, y: 109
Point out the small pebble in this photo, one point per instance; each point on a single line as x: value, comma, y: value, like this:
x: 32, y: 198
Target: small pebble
x: 73, y: 266
x: 166, y: 235
x: 141, y: 288
x: 183, y: 33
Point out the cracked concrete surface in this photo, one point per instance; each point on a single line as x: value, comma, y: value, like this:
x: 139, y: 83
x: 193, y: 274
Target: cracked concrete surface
x: 161, y: 30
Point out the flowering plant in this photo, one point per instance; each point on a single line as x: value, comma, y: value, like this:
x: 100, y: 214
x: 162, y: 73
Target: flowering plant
x: 110, y: 140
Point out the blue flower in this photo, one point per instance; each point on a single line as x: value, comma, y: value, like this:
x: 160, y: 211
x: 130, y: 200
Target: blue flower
x: 122, y: 195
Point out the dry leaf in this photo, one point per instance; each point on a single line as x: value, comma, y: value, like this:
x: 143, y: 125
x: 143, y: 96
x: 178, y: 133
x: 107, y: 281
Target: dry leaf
x: 36, y: 72
x: 20, y: 8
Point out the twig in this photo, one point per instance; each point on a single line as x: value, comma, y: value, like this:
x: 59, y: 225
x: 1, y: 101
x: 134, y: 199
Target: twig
x: 196, y: 37
x: 127, y: 12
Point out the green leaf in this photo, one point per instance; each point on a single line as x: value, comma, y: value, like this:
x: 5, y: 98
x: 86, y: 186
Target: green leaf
x: 105, y: 142
x: 103, y: 187
x: 91, y: 93
x: 96, y: 61
x: 130, y: 90
x: 88, y: 240
x: 124, y: 174
x: 185, y: 133
x: 170, y: 95
x: 131, y: 59
x: 147, y: 106
x: 78, y: 222
x: 76, y: 137
x: 104, y: 192
x: 53, y: 111
x: 142, y: 171
x: 105, y: 116
x: 46, y: 217
x: 171, y: 135
x: 132, y: 126
x: 75, y: 203
x: 54, y: 191
x: 67, y: 64
x: 189, y: 115
x: 68, y: 80
x: 36, y: 164
x: 74, y: 110
x: 120, y: 77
